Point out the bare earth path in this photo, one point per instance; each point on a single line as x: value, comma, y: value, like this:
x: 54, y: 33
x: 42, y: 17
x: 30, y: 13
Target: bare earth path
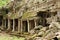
x: 5, y: 36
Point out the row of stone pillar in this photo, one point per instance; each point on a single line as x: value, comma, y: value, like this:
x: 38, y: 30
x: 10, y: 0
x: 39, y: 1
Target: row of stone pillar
x: 20, y: 25
x: 4, y: 23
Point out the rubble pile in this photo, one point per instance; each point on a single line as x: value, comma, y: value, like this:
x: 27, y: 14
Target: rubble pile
x: 46, y: 33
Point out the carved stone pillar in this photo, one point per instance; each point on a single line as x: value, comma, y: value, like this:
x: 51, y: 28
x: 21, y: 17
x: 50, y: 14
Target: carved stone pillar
x: 5, y: 23
x: 18, y: 25
x: 8, y: 24
x: 35, y: 22
x: 28, y: 25
x: 21, y: 26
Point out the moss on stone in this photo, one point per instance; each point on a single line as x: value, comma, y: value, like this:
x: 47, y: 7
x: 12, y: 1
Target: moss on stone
x: 28, y: 15
x: 13, y: 15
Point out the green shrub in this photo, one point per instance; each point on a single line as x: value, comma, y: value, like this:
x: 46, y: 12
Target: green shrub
x: 3, y: 2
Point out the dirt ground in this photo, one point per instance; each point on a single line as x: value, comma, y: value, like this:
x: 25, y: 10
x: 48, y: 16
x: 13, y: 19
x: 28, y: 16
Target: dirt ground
x: 5, y: 36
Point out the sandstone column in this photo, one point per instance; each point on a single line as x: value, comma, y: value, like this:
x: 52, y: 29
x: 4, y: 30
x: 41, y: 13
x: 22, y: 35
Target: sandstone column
x: 8, y: 24
x: 21, y: 26
x: 28, y: 25
x: 18, y: 25
x: 5, y: 23
x: 35, y: 22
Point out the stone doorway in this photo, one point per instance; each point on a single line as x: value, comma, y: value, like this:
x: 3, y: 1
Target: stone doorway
x: 16, y: 24
x: 6, y: 23
x: 25, y: 26
x: 1, y: 18
x: 11, y: 24
x: 31, y: 24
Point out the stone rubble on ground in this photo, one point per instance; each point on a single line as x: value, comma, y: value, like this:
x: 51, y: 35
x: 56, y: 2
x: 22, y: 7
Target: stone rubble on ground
x: 44, y: 34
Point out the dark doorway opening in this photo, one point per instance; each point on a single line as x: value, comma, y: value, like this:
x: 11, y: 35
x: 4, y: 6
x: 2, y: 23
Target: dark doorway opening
x: 11, y: 24
x: 1, y: 18
x: 43, y: 15
x: 16, y: 24
x: 6, y: 23
x: 55, y: 38
x: 25, y: 26
x: 32, y: 24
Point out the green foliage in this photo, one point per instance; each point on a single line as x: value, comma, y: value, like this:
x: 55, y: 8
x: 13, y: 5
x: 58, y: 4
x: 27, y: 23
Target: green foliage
x: 3, y: 2
x: 4, y: 13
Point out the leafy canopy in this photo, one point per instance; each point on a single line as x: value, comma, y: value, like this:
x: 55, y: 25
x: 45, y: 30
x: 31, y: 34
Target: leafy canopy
x: 3, y: 2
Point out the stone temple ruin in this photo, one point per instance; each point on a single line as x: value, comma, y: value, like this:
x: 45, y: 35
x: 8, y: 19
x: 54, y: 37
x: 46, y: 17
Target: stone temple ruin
x: 26, y: 18
x: 25, y: 15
